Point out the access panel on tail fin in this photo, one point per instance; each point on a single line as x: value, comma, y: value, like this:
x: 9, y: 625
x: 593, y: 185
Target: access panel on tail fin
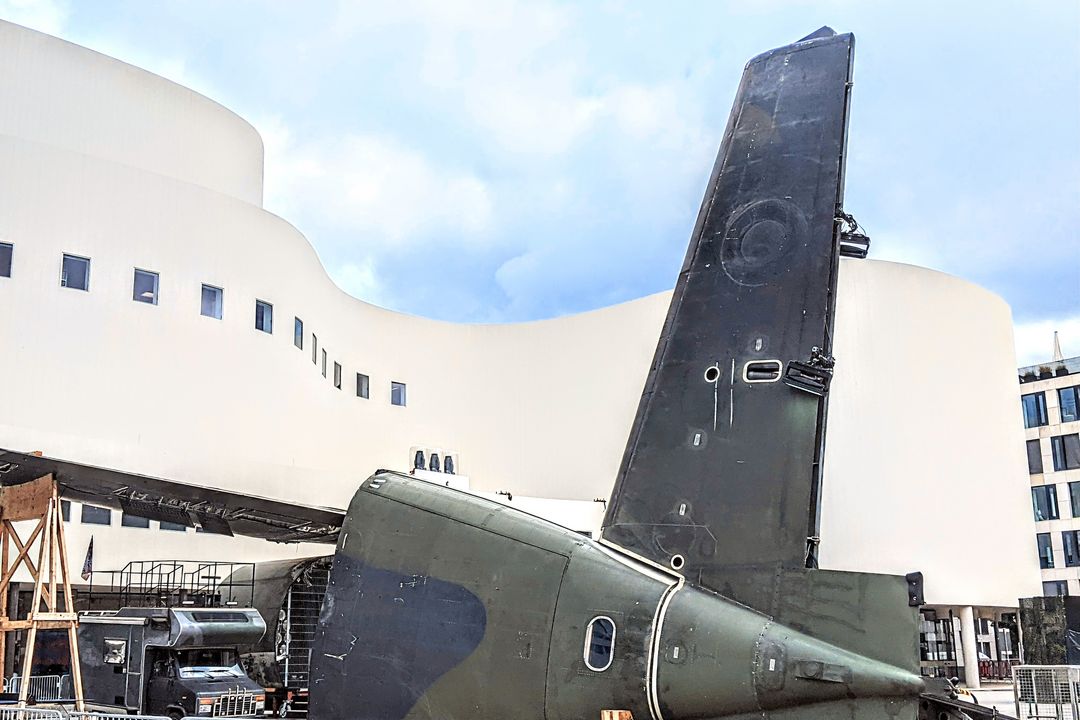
x: 722, y: 465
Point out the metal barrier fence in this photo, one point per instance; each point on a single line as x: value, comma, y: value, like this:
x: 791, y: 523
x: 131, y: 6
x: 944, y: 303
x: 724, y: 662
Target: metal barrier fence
x: 44, y: 688
x: 109, y: 716
x: 14, y: 713
x: 1047, y: 692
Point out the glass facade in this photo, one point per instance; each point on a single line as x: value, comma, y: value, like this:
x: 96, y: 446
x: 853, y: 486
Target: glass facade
x: 1034, y: 457
x: 1044, y: 502
x: 1066, y: 451
x: 1034, y: 410
x: 1070, y: 548
x: 1046, y: 553
x: 1069, y: 402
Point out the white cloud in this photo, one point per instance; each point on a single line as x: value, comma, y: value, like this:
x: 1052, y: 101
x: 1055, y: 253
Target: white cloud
x: 49, y: 16
x: 1035, y: 340
x: 373, y: 186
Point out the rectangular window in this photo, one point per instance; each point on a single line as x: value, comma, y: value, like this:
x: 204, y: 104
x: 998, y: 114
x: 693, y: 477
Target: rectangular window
x: 397, y: 393
x: 1072, y: 550
x: 1046, y: 553
x: 145, y: 287
x: 1068, y: 398
x: 337, y: 375
x: 75, y: 272
x: 134, y: 521
x: 324, y: 363
x: 1055, y: 588
x: 314, y: 349
x: 1034, y: 409
x: 264, y: 316
x: 211, y: 301
x: 6, y: 251
x: 94, y: 515
x: 1034, y: 452
x: 65, y: 508
x: 1066, y: 451
x: 298, y: 333
x: 362, y: 385
x: 1044, y: 501
x: 165, y: 525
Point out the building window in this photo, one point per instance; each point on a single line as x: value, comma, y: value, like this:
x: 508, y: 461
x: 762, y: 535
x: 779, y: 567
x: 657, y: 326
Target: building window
x: 1034, y: 453
x: 337, y: 375
x: 166, y: 525
x: 75, y: 272
x: 1072, y: 550
x: 65, y: 509
x: 599, y: 643
x: 6, y: 251
x: 1068, y: 398
x: 134, y: 521
x: 264, y: 316
x: 298, y: 333
x: 324, y: 363
x: 211, y: 301
x: 1034, y: 409
x: 397, y: 393
x: 448, y: 466
x: 1046, y: 554
x: 418, y: 460
x: 145, y: 287
x: 1066, y: 451
x: 1044, y: 500
x: 94, y: 515
x: 314, y: 349
x: 936, y: 640
x: 1056, y: 588
x: 433, y: 465
x: 363, y: 385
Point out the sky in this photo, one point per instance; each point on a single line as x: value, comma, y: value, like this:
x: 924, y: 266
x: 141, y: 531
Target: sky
x: 511, y: 160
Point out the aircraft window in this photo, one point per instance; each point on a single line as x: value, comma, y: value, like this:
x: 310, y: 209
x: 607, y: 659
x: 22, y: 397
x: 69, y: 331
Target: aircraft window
x: 418, y: 461
x: 448, y: 465
x: 599, y: 642
x: 434, y: 466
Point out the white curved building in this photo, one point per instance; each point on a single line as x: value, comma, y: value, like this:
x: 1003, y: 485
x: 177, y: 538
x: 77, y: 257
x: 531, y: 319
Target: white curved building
x: 123, y: 172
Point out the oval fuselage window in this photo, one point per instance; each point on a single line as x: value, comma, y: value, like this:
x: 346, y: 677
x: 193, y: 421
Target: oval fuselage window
x: 599, y: 643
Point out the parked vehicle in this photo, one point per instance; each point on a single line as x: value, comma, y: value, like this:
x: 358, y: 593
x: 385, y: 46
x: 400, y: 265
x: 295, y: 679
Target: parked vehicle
x: 174, y: 662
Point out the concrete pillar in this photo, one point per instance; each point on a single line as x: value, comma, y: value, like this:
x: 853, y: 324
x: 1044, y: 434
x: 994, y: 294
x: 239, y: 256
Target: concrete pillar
x: 970, y: 647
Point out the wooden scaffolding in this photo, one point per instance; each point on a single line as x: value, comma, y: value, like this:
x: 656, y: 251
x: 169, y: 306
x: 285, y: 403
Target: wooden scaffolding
x: 52, y: 607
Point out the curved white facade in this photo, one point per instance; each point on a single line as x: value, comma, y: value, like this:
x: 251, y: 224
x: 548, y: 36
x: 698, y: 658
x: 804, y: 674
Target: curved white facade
x: 148, y: 175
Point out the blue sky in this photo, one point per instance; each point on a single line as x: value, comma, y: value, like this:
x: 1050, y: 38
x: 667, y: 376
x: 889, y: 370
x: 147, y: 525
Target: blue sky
x: 519, y: 160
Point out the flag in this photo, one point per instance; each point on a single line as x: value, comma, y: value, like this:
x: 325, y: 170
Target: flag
x: 88, y: 563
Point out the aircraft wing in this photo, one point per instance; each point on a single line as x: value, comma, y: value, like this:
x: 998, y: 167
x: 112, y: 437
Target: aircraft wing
x: 214, y: 511
x: 721, y: 470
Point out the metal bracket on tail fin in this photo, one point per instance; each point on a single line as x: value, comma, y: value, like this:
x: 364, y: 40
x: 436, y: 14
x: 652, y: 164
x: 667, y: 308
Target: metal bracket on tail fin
x: 853, y: 242
x: 813, y: 377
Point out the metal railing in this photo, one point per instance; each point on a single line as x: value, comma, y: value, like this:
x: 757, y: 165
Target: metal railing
x: 1047, y: 692
x: 106, y: 716
x: 172, y: 583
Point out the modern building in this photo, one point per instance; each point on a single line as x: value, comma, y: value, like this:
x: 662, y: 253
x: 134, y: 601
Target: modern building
x: 1050, y: 399
x: 156, y: 319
